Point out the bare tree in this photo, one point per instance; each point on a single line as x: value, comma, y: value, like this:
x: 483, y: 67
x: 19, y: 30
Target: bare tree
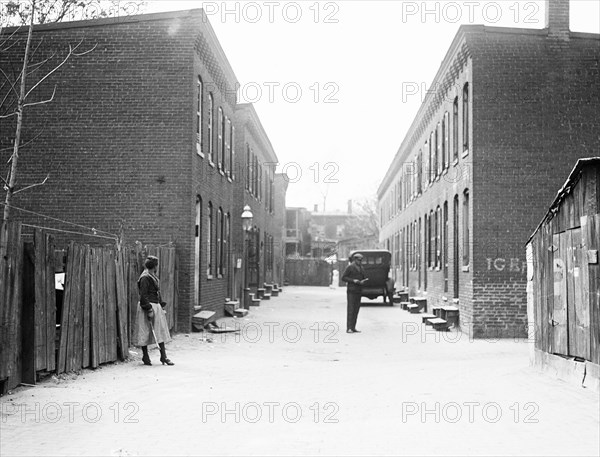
x: 19, y: 12
x: 19, y: 91
x: 365, y: 224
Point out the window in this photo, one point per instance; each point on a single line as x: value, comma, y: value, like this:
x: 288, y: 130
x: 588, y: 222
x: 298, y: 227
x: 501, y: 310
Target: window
x: 248, y: 166
x: 232, y: 153
x: 420, y: 172
x: 209, y: 241
x: 211, y: 110
x: 199, y: 115
x: 445, y: 145
x: 227, y: 242
x: 438, y: 238
x: 466, y: 250
x: 436, y: 154
x: 220, y: 139
x: 227, y: 148
x: 400, y: 205
x: 220, y: 241
x: 427, y: 149
x: 433, y: 158
x: 465, y: 118
x: 445, y: 246
x: 432, y: 245
x: 426, y: 236
x: 455, y: 130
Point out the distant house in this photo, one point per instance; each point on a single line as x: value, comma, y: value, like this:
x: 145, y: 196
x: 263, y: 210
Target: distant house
x: 297, y: 238
x: 508, y: 112
x: 564, y: 277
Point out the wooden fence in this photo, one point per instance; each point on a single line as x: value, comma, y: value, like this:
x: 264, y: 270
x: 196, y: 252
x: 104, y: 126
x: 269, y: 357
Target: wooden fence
x: 11, y: 261
x: 307, y: 272
x: 96, y: 317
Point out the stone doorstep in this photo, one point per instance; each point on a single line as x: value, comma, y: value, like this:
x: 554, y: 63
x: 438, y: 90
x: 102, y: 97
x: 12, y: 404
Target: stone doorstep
x: 426, y: 317
x: 231, y: 306
x: 266, y: 296
x: 404, y: 304
x: 240, y: 312
x: 274, y: 293
x: 439, y: 324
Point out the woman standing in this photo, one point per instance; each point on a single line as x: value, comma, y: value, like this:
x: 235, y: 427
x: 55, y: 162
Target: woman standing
x: 151, y: 316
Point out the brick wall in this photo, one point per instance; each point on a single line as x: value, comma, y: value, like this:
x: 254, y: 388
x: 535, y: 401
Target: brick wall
x: 534, y: 98
x: 535, y: 110
x: 118, y: 141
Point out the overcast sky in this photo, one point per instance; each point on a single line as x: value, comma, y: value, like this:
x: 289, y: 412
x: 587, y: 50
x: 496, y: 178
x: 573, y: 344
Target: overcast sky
x: 337, y: 84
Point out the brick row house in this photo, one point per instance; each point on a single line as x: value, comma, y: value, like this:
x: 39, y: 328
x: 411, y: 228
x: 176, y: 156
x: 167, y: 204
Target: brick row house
x: 509, y: 113
x: 140, y: 138
x: 258, y: 161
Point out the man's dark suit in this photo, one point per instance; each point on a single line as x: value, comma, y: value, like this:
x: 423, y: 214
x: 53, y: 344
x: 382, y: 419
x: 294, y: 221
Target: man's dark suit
x: 353, y: 272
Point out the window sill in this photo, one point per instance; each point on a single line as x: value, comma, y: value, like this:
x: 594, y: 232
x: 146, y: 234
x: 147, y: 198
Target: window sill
x: 209, y: 277
x: 230, y: 179
x: 219, y: 276
x: 465, y: 268
x: 211, y: 163
x: 465, y: 153
x: 455, y: 163
x: 437, y: 268
x: 199, y: 150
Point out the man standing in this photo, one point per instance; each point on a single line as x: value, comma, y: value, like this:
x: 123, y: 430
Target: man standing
x: 354, y: 275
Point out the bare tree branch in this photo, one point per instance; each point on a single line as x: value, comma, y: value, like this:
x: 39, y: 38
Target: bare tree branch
x: 43, y: 101
x: 33, y: 185
x: 6, y: 116
x: 23, y: 145
x: 10, y: 82
x: 55, y: 69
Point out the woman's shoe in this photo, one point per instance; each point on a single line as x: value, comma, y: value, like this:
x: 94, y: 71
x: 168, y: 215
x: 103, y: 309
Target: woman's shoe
x: 146, y: 360
x: 166, y: 361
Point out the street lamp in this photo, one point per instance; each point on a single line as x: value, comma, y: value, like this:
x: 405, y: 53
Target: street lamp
x: 247, y: 226
x: 247, y: 219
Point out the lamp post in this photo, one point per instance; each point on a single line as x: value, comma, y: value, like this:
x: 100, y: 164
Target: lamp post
x: 247, y: 226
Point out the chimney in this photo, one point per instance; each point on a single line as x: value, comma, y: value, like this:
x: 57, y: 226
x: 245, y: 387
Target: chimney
x: 349, y: 206
x: 557, y: 18
x: 316, y: 210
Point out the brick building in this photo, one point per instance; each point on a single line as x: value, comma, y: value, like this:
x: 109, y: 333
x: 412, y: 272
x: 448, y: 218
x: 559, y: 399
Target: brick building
x: 258, y: 161
x: 140, y: 137
x: 510, y: 112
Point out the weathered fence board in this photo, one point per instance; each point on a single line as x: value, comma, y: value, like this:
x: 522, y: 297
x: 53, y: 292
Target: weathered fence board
x: 11, y: 264
x: 122, y: 308
x: 592, y: 241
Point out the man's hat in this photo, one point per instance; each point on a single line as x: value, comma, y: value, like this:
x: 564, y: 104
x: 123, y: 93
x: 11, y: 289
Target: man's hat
x: 358, y: 255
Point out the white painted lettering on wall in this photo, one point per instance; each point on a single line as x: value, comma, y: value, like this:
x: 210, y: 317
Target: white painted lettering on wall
x: 512, y: 265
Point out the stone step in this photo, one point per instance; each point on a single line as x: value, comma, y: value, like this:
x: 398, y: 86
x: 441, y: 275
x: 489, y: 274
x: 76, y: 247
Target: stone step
x: 404, y: 304
x: 240, y: 312
x: 439, y: 324
x: 266, y: 296
x: 413, y: 308
x: 426, y: 317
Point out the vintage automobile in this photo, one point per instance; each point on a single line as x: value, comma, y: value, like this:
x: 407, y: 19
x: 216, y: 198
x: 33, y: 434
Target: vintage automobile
x: 376, y: 263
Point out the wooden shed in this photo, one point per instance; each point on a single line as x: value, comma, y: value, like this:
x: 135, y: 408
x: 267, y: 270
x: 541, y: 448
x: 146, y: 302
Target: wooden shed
x: 564, y: 278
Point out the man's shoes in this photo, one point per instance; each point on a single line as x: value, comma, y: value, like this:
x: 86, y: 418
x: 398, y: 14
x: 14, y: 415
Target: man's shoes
x: 356, y: 331
x: 349, y: 331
